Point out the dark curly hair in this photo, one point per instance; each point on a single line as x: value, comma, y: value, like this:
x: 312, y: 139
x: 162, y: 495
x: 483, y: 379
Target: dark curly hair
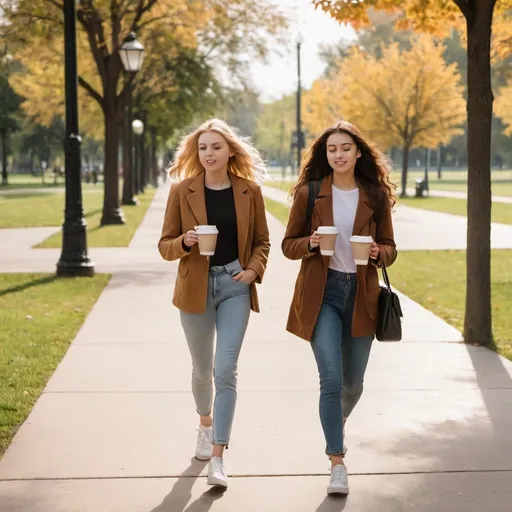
x: 371, y: 172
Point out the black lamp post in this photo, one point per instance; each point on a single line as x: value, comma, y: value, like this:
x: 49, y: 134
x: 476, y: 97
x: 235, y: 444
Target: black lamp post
x: 132, y: 57
x: 74, y: 260
x: 300, y: 136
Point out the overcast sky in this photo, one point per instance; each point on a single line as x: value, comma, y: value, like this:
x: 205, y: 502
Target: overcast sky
x: 279, y: 76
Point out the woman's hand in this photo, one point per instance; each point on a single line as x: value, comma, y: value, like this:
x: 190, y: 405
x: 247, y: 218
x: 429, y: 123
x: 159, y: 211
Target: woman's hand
x: 314, y: 240
x: 374, y: 251
x: 190, y: 238
x: 246, y: 276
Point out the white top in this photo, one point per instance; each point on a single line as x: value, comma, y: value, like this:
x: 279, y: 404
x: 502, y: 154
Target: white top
x: 344, y: 203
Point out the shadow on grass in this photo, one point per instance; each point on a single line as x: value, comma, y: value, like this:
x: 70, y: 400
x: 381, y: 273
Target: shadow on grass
x: 93, y: 212
x: 25, y: 286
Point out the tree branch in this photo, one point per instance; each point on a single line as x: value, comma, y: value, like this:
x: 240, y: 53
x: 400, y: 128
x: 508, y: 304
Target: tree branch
x: 93, y: 92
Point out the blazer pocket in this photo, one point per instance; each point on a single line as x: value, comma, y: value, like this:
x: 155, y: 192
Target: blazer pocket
x: 183, y: 270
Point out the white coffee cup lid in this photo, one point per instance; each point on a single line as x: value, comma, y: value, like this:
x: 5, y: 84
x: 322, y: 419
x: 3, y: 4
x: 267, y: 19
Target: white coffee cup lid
x: 207, y: 230
x: 361, y: 239
x: 327, y: 230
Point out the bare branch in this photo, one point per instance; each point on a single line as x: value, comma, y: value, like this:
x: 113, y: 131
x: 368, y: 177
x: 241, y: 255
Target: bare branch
x: 93, y: 92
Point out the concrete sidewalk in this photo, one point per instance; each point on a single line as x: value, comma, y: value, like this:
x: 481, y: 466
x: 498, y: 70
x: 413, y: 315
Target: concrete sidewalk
x: 114, y: 430
x: 420, y: 230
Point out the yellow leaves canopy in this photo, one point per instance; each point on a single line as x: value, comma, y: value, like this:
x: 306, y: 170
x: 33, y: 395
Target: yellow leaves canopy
x: 503, y: 107
x: 405, y: 98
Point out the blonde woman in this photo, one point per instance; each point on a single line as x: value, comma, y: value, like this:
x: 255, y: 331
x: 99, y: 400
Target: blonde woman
x: 218, y: 174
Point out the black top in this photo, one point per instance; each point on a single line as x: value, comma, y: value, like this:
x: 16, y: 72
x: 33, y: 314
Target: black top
x: 221, y: 212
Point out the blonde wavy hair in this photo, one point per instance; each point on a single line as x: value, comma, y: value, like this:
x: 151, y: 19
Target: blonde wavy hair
x: 246, y: 161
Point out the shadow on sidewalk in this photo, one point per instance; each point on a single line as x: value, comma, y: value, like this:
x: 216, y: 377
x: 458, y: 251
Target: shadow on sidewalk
x: 332, y: 504
x: 467, y: 457
x: 178, y: 498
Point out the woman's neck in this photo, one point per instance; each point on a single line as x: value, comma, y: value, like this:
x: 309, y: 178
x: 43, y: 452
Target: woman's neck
x: 217, y: 180
x: 344, y: 182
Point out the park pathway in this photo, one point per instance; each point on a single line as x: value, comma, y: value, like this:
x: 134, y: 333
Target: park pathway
x: 114, y: 430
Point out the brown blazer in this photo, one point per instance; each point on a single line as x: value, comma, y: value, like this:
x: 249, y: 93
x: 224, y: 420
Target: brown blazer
x: 312, y: 278
x: 186, y: 208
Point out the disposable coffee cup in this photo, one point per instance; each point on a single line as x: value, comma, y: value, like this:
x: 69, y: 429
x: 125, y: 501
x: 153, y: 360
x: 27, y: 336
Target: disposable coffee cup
x: 361, y: 247
x: 207, y: 239
x: 328, y: 240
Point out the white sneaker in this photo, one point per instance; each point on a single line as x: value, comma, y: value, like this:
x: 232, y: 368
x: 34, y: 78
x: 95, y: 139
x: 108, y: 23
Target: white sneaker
x: 217, y: 473
x: 339, y: 480
x: 204, y: 448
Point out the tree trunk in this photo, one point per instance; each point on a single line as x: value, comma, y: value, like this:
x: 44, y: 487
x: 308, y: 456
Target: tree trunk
x: 405, y: 167
x: 5, y: 179
x: 478, y: 317
x: 439, y: 161
x: 154, y: 164
x: 112, y: 213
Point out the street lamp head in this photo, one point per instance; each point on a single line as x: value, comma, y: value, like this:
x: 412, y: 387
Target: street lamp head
x: 300, y: 39
x: 132, y: 53
x: 137, y: 127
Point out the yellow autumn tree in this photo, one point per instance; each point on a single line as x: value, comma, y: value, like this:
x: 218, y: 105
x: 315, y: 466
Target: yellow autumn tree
x: 322, y: 105
x: 409, y: 98
x: 503, y: 107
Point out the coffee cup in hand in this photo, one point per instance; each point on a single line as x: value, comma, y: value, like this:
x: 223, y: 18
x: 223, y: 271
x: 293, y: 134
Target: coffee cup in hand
x: 328, y: 236
x: 207, y: 239
x: 361, y: 248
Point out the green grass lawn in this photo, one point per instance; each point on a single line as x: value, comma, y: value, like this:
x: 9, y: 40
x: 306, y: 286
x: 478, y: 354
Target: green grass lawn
x: 422, y: 275
x: 501, y: 212
x: 110, y: 236
x: 27, y: 181
x: 35, y: 210
x: 39, y: 318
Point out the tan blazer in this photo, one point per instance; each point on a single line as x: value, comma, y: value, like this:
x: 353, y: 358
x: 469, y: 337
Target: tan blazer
x: 186, y: 208
x: 312, y: 278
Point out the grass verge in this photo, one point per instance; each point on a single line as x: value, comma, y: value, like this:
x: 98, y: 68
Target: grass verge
x: 39, y: 318
x: 501, y: 212
x: 437, y: 281
x: 109, y: 236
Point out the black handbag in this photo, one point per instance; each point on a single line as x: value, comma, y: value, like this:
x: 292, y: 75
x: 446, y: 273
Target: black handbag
x: 389, y: 321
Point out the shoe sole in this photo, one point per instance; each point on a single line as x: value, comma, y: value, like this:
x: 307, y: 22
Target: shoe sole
x: 203, y: 457
x: 217, y: 482
x: 337, y: 490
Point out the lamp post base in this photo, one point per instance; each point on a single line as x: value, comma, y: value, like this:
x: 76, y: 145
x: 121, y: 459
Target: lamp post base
x: 114, y: 216
x: 75, y: 268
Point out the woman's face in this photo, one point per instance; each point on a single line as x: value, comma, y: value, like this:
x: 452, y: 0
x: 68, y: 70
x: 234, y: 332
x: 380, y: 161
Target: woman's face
x: 342, y: 153
x: 214, y: 152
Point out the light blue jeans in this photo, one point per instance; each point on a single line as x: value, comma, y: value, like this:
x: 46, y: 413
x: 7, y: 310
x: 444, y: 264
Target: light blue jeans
x: 227, y: 311
x: 341, y: 358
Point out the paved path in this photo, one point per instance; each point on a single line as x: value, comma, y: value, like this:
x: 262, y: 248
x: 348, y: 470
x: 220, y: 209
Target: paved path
x: 114, y: 429
x: 462, y: 195
x: 418, y: 229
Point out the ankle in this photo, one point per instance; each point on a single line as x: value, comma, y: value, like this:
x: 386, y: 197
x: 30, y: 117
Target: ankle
x: 337, y: 460
x: 206, y: 421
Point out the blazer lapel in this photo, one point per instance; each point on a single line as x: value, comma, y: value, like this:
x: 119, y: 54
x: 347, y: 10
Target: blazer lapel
x: 243, y: 209
x: 363, y: 213
x: 197, y: 201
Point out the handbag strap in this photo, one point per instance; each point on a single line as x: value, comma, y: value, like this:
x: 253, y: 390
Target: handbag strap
x: 386, y: 278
